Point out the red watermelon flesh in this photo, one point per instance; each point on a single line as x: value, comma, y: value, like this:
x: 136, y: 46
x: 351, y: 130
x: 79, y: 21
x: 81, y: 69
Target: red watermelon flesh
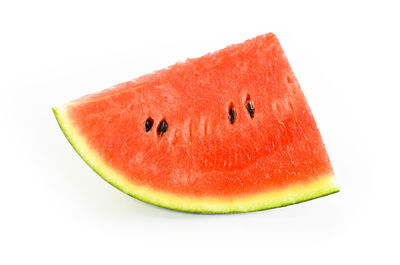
x: 230, y: 131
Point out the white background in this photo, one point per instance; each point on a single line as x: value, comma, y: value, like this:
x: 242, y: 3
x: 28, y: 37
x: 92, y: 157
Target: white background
x: 56, y: 210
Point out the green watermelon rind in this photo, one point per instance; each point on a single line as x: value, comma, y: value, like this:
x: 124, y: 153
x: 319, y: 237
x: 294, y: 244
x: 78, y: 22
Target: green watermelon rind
x: 192, y: 204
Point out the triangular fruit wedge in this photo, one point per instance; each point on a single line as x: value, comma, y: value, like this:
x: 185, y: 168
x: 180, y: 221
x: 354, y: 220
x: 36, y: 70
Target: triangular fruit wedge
x: 230, y: 131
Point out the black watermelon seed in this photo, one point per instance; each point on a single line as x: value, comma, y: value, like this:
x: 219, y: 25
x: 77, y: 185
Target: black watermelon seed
x: 250, y: 109
x: 149, y: 124
x: 162, y: 128
x: 232, y: 115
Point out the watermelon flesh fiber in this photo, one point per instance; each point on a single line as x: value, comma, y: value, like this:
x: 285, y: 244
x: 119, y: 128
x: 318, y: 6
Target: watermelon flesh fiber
x: 216, y: 154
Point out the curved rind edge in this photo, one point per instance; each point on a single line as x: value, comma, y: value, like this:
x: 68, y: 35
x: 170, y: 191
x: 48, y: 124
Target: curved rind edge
x: 323, y: 186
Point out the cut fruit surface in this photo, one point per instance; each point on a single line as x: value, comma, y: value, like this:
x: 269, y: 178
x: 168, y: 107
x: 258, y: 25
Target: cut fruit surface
x: 227, y: 132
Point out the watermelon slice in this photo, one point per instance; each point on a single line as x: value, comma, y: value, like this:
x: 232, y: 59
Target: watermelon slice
x: 230, y: 131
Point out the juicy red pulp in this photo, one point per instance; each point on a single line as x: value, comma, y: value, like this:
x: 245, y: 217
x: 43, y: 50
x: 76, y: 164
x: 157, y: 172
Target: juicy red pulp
x: 230, y: 123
